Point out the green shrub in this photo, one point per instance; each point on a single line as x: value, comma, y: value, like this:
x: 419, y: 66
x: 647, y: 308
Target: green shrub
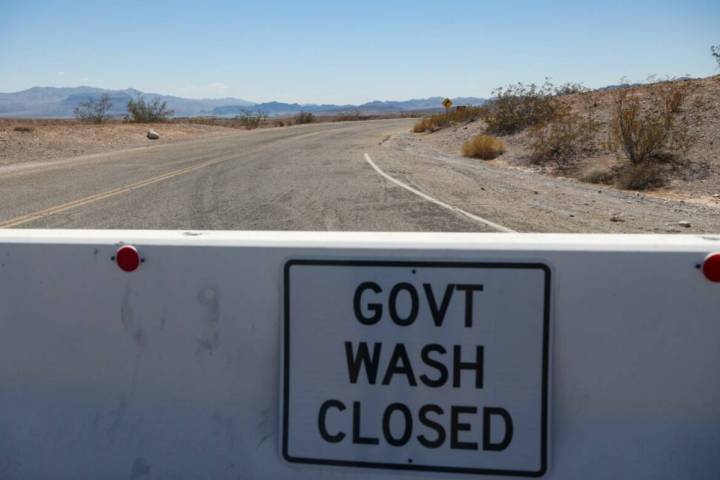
x: 141, y: 111
x: 516, y: 107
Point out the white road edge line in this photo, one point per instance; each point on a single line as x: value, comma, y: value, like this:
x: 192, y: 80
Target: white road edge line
x: 427, y: 197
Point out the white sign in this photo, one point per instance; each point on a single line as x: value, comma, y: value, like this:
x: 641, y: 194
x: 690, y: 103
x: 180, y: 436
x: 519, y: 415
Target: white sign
x: 430, y: 366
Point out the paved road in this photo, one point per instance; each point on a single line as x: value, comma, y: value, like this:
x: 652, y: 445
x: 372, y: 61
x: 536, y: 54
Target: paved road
x: 316, y: 177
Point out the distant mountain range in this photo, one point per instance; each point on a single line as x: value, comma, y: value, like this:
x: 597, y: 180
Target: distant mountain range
x: 53, y: 102
x: 61, y: 102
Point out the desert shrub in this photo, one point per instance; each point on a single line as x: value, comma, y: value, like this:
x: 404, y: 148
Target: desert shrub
x: 466, y: 114
x: 647, y: 134
x: 279, y: 123
x: 23, y: 129
x: 640, y: 177
x: 570, y: 88
x: 431, y: 123
x: 251, y: 120
x: 305, y: 117
x: 353, y: 116
x: 94, y: 111
x: 564, y: 136
x: 442, y: 120
x: 485, y: 147
x: 519, y: 106
x: 598, y: 174
x: 673, y: 95
x: 140, y: 111
x: 421, y: 125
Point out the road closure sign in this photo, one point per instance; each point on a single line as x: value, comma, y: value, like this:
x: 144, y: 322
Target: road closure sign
x: 430, y: 366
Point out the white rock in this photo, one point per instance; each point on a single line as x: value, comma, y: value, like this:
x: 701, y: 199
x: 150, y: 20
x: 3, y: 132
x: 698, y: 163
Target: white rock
x: 152, y: 134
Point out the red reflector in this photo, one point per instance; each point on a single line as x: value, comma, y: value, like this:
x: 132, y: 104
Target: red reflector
x: 127, y: 258
x: 711, y: 267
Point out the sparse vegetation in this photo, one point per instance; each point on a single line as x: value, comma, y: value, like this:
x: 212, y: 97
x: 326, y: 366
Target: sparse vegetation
x: 648, y: 135
x: 519, y: 106
x: 94, y: 111
x: 23, y: 129
x: 595, y: 173
x: 353, y: 116
x: 570, y: 88
x: 644, y: 134
x: 565, y: 136
x: 459, y: 115
x: 251, y: 120
x: 640, y: 177
x: 140, y: 111
x: 485, y: 147
x: 305, y: 117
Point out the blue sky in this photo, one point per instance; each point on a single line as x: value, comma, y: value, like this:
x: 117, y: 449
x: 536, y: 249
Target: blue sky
x: 349, y: 52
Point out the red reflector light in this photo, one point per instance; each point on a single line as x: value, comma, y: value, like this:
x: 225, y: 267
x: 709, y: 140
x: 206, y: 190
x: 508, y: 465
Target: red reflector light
x: 127, y: 258
x: 711, y: 267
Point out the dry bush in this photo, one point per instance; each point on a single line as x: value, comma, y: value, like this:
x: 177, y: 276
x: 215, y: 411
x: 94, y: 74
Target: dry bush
x: 94, y: 111
x: 519, y: 106
x: 648, y: 133
x: 673, y: 95
x: 431, y: 123
x: 640, y: 177
x: 23, y: 129
x: 305, y: 117
x: 353, y: 116
x: 251, y: 120
x: 570, y: 88
x: 565, y: 136
x: 598, y: 174
x: 140, y: 111
x: 459, y: 115
x: 421, y: 126
x: 484, y: 147
x: 466, y: 114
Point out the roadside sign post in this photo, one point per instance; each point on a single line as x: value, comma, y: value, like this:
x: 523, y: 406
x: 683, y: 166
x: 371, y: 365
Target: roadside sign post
x: 321, y: 355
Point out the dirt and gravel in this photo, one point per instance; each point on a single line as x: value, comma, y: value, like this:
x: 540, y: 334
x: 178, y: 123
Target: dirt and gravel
x: 40, y: 140
x: 696, y: 180
x: 522, y: 199
x: 315, y: 177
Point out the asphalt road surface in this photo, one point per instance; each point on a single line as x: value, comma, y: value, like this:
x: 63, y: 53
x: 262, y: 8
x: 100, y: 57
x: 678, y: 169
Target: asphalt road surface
x: 350, y: 176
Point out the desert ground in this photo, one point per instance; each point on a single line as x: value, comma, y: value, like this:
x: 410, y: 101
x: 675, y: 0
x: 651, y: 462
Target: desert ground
x: 694, y: 176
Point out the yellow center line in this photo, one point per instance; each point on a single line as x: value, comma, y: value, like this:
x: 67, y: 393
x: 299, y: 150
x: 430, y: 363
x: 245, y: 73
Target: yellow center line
x: 31, y: 217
